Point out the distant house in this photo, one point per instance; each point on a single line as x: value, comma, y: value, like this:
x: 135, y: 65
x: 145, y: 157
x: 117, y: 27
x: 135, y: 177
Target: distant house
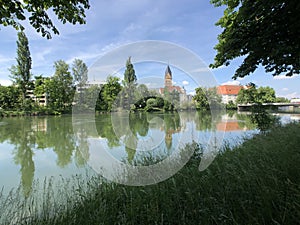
x: 229, y: 92
x: 40, y: 100
x: 295, y: 100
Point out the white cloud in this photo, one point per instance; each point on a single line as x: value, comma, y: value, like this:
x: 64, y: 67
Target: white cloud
x: 292, y: 95
x: 232, y: 82
x: 283, y: 77
x: 284, y: 89
x: 185, y: 82
x: 5, y: 82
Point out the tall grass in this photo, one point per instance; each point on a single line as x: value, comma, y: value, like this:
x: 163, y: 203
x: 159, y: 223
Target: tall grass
x: 257, y: 182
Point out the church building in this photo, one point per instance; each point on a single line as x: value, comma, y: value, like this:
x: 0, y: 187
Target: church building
x: 169, y: 87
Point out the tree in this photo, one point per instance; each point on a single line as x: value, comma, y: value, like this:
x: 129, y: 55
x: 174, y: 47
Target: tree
x: 264, y: 32
x: 207, y: 98
x: 21, y: 72
x: 110, y: 92
x: 266, y: 95
x: 9, y: 97
x: 80, y: 72
x: 14, y: 11
x: 129, y: 74
x: 247, y: 96
x: 254, y: 95
x: 129, y: 83
x: 200, y: 99
x: 60, y: 87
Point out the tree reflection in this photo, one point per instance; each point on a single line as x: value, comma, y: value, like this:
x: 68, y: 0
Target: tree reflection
x: 29, y: 134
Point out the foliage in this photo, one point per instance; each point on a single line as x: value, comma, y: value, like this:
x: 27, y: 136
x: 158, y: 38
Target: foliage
x: 80, y: 72
x: 20, y: 73
x: 109, y: 93
x: 282, y: 99
x: 129, y: 74
x: 9, y: 97
x: 60, y: 87
x: 14, y: 11
x: 207, y: 98
x: 127, y: 97
x: 231, y: 105
x: 264, y: 32
x: 254, y: 95
x: 266, y: 94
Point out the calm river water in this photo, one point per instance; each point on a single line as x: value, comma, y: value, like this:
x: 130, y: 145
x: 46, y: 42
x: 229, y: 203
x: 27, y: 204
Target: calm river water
x: 35, y: 148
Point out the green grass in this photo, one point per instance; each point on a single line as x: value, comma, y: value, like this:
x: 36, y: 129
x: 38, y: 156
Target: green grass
x: 257, y: 182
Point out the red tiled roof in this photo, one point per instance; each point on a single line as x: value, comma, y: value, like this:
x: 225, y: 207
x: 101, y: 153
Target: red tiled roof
x: 228, y: 126
x: 228, y: 89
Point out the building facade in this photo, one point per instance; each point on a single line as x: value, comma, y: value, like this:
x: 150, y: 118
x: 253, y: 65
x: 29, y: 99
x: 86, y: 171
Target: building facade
x: 229, y: 92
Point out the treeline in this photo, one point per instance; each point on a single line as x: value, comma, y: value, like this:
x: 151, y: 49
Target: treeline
x: 127, y: 94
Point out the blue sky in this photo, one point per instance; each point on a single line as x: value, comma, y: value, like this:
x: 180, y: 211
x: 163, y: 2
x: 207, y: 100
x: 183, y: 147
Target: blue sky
x: 110, y: 24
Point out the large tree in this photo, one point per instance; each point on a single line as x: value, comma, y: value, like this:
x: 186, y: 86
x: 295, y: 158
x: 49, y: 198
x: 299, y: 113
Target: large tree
x: 20, y: 73
x: 109, y: 92
x: 207, y: 98
x: 80, y: 72
x: 129, y: 83
x: 264, y: 32
x: 256, y: 95
x: 60, y: 87
x: 12, y: 12
x: 129, y: 74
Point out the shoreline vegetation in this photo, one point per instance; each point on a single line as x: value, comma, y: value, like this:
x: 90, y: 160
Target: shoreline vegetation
x: 257, y: 182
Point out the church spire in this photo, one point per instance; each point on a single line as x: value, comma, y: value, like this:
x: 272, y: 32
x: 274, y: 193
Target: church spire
x: 168, y: 77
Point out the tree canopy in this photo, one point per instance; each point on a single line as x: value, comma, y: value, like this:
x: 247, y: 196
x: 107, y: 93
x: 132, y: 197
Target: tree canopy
x: 12, y: 12
x: 256, y: 95
x: 265, y: 32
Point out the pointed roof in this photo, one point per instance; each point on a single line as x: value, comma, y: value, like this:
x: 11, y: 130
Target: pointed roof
x: 168, y: 71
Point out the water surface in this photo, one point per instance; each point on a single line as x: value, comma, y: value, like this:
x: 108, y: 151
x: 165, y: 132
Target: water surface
x: 35, y: 148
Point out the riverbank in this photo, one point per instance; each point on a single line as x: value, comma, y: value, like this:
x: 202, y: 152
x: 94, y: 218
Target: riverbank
x: 18, y: 113
x: 257, y: 182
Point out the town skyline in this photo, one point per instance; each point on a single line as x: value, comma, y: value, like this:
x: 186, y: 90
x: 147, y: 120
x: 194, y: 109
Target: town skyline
x: 110, y: 25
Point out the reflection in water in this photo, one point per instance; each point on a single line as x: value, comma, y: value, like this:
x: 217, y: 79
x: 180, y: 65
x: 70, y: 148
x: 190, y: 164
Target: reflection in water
x: 129, y: 139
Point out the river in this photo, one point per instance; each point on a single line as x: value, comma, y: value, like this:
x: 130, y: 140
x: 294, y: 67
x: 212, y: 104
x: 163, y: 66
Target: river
x: 35, y: 148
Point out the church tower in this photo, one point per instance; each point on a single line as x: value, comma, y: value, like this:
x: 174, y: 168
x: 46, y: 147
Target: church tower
x: 168, y: 77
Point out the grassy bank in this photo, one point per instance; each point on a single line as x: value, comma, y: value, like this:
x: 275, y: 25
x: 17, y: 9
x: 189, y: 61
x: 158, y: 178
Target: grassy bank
x: 255, y: 183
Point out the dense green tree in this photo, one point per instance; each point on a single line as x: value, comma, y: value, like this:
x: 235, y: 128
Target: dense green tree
x: 129, y: 74
x: 254, y: 95
x: 12, y: 12
x: 20, y: 73
x: 80, y: 72
x: 60, y: 87
x: 247, y: 96
x: 265, y: 95
x: 264, y: 32
x: 200, y: 99
x: 110, y: 92
x: 207, y: 98
x: 9, y: 97
x: 282, y: 99
x: 129, y: 85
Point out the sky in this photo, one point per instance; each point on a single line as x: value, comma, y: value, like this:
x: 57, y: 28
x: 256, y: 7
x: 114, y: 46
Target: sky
x: 189, y: 24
